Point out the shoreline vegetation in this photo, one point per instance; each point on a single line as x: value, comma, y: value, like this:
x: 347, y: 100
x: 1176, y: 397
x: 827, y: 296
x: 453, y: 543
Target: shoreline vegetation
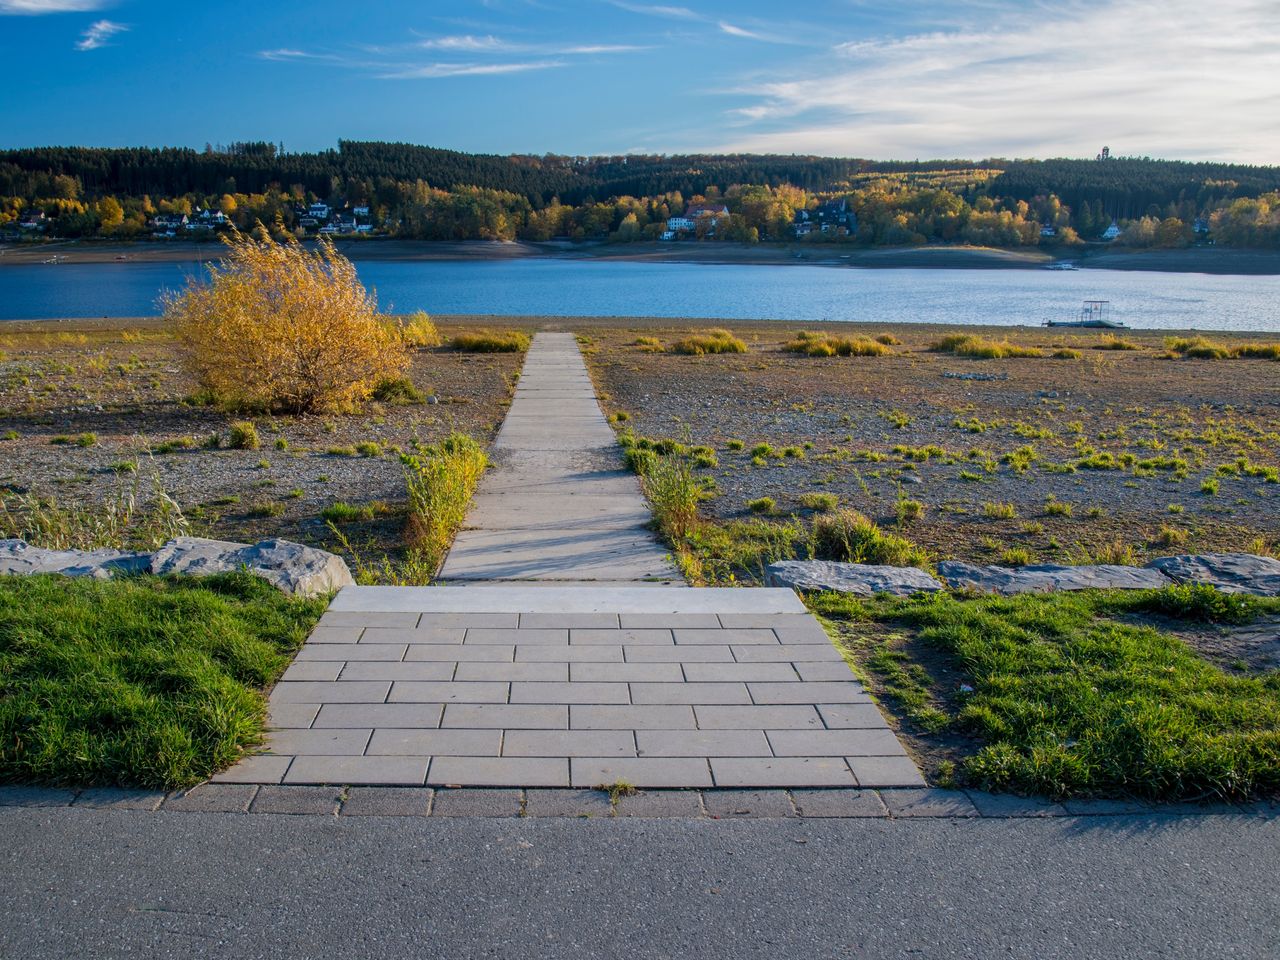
x: 1199, y: 259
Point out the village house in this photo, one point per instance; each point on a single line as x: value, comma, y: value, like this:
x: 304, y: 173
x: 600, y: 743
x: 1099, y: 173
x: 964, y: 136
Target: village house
x: 33, y: 220
x: 1111, y: 232
x: 832, y: 217
x: 168, y: 224
x: 709, y: 213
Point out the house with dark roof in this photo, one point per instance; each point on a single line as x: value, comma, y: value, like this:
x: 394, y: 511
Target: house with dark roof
x: 834, y: 217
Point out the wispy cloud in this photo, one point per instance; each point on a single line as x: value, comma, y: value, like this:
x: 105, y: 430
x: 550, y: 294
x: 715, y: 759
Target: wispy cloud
x: 32, y: 8
x: 99, y: 33
x: 289, y: 55
x: 460, y: 55
x: 489, y: 44
x: 437, y: 70
x: 1145, y: 76
x: 733, y: 31
x: 659, y: 10
x: 466, y: 42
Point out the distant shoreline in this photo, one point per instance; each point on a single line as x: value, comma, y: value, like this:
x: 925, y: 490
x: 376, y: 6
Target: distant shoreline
x: 1211, y: 260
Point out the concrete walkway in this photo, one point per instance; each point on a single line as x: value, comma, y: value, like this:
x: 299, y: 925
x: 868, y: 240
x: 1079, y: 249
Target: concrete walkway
x: 559, y: 506
x: 556, y: 657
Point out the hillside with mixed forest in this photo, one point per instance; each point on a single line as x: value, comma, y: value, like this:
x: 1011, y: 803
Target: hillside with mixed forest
x: 428, y: 193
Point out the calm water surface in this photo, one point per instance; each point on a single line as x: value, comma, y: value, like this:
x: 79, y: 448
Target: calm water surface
x: 732, y: 292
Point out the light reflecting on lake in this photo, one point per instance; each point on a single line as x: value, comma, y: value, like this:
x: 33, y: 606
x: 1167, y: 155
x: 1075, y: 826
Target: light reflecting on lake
x: 731, y: 292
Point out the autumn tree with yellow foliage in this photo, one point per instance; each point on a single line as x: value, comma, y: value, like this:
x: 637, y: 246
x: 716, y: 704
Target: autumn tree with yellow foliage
x: 277, y: 327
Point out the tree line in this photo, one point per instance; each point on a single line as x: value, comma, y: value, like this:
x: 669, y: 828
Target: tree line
x: 429, y: 193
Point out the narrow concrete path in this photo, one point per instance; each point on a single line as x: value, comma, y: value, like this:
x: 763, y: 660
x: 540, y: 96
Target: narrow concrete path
x: 559, y: 506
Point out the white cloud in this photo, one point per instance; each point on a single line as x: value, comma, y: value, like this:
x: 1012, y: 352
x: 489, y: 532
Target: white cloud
x: 666, y: 12
x: 491, y: 44
x: 433, y: 71
x: 1156, y: 77
x: 466, y: 42
x: 99, y: 33
x: 733, y: 31
x: 38, y: 7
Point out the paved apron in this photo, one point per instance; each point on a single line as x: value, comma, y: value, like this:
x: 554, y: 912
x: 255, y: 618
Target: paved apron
x: 555, y: 655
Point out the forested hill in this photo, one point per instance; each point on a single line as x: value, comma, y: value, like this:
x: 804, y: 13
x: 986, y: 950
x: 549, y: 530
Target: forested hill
x: 402, y: 190
x: 1126, y: 187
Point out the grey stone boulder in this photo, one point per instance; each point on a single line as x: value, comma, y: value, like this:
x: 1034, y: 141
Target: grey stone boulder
x: 1048, y: 577
x: 17, y: 557
x: 860, y: 579
x: 291, y: 567
x: 1229, y: 572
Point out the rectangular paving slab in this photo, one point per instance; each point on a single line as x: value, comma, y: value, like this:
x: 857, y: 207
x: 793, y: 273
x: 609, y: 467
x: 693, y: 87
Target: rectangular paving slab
x: 543, y: 709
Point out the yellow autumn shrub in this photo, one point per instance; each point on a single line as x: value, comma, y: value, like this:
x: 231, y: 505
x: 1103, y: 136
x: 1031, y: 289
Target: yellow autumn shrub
x: 275, y: 326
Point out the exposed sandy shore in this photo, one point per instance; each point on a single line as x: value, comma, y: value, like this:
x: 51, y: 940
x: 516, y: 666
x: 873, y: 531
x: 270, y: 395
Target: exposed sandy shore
x: 1195, y: 260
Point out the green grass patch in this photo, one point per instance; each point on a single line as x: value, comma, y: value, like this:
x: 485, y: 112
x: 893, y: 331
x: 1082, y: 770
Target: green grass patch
x: 441, y: 480
x: 487, y: 341
x: 142, y: 681
x: 398, y: 392
x: 1069, y: 695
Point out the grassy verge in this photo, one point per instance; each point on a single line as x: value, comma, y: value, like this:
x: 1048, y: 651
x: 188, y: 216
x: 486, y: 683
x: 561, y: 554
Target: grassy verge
x: 1071, y: 694
x: 712, y: 553
x: 143, y: 681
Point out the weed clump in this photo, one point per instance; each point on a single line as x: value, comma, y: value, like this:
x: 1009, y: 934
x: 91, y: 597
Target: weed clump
x: 398, y: 392
x: 711, y: 341
x: 243, y: 436
x: 440, y: 480
x: 1109, y: 341
x: 1197, y: 348
x: 819, y: 502
x: 674, y: 493
x: 847, y: 535
x: 417, y: 331
x: 971, y: 345
x: 814, y: 344
x: 487, y: 341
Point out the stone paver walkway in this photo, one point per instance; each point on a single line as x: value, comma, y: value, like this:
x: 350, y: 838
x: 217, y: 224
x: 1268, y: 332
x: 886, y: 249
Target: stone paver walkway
x: 559, y: 506
x: 555, y: 657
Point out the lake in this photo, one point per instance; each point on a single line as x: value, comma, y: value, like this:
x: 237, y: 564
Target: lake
x: 732, y: 292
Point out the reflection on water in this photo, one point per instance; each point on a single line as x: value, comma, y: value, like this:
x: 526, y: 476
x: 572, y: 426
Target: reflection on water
x: 733, y: 292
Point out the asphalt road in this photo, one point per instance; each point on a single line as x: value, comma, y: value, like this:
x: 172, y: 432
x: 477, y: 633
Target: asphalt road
x: 82, y: 883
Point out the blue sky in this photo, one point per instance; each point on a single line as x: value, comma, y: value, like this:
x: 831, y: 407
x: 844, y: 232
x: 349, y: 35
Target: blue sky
x: 913, y: 78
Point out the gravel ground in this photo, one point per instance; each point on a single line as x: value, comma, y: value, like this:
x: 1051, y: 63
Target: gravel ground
x: 121, y: 382
x: 856, y: 421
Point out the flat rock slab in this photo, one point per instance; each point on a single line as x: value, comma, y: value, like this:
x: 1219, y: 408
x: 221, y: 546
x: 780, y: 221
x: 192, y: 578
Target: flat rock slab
x: 863, y: 580
x: 18, y: 557
x: 291, y: 567
x: 1045, y: 578
x: 1229, y: 572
